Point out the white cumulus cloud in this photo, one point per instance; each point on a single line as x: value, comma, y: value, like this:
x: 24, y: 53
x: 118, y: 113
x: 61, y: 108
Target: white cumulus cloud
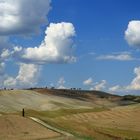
x: 135, y: 84
x: 5, y: 54
x: 100, y: 85
x: 27, y: 76
x: 60, y: 83
x: 88, y: 82
x: 57, y: 47
x: 95, y: 86
x: 132, y: 33
x: 115, y: 88
x: 22, y: 16
x: 9, y: 82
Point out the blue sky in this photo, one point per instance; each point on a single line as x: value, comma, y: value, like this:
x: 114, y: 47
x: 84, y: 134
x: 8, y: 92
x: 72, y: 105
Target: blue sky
x: 103, y: 55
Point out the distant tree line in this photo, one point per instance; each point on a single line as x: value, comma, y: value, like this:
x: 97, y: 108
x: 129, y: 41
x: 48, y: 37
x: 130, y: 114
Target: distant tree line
x: 131, y: 98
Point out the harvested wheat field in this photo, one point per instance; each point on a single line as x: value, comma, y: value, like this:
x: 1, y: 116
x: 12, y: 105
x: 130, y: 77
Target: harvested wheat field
x: 68, y: 115
x: 14, y: 127
x: 119, y: 123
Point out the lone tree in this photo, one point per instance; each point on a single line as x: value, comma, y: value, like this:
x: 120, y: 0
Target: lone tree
x: 23, y: 112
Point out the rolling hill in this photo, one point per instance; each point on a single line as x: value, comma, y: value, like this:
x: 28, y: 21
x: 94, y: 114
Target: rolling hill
x: 88, y: 115
x: 47, y: 99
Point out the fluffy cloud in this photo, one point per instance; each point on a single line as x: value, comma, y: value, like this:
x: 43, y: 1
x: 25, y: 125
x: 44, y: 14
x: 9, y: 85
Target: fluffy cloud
x: 61, y: 83
x: 57, y: 47
x: 88, y: 82
x: 101, y: 85
x: 9, y: 82
x: 124, y: 56
x: 115, y: 88
x: 132, y: 33
x: 135, y: 84
x: 95, y: 86
x: 22, y: 16
x: 28, y: 76
x: 5, y: 54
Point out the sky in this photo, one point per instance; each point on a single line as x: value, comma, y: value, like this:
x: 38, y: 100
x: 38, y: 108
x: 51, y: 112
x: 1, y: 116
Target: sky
x: 88, y: 44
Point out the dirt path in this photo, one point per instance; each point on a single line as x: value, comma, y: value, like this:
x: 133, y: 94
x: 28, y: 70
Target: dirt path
x: 65, y: 134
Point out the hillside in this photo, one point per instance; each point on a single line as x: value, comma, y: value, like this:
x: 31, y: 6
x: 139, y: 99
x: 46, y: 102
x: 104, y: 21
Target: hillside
x: 75, y: 93
x: 95, y: 97
x: 15, y: 100
x: 53, y: 99
x: 87, y: 115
